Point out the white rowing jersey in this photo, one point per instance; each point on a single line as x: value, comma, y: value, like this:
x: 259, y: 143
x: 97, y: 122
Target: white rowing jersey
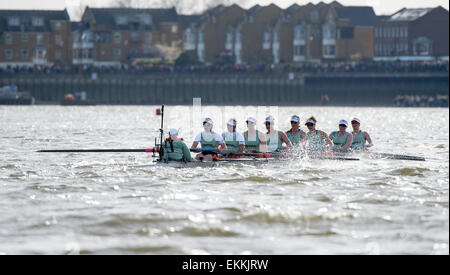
x: 209, y: 136
x: 227, y: 136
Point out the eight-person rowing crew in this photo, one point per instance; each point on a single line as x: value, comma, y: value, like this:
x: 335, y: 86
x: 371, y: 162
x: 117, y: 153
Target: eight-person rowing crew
x: 232, y: 143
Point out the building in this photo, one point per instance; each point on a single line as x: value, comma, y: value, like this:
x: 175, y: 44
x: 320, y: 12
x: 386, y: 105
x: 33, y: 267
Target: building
x: 115, y: 36
x: 412, y: 34
x: 257, y: 38
x: 348, y: 33
x: 34, y: 37
x: 214, y: 41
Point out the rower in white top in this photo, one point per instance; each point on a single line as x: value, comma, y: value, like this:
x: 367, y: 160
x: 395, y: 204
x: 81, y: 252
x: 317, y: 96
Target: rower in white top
x: 234, y: 140
x: 275, y: 139
x: 211, y: 142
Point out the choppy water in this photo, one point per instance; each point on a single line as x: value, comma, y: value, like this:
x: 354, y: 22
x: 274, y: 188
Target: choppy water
x: 94, y: 203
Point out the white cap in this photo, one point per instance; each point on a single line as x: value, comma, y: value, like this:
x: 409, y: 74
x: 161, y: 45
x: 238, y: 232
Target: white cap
x: 343, y: 121
x: 173, y: 132
x: 251, y: 119
x: 231, y: 122
x: 310, y: 121
x: 269, y: 119
x: 357, y: 120
x: 208, y: 120
x: 295, y: 119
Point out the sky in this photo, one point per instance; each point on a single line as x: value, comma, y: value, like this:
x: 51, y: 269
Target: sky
x: 75, y: 7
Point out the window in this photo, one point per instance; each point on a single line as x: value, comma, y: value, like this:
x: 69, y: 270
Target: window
x: 13, y: 21
x: 238, y: 36
x: 299, y: 50
x: 37, y: 21
x: 314, y: 16
x: 24, y: 54
x: 8, y: 38
x: 201, y: 37
x: 276, y: 35
x: 8, y: 54
x: 24, y: 37
x: 134, y: 36
x: 148, y: 37
x: 329, y: 50
x: 39, y: 39
x: 300, y: 32
x: 146, y: 19
x: 117, y: 53
x: 58, y: 39
x: 58, y: 54
x: 329, y: 31
x: 58, y: 26
x: 174, y: 28
x: 422, y: 46
x: 229, y: 40
x: 121, y: 20
x: 117, y: 37
x: 213, y: 19
x: 266, y: 41
x: 251, y: 19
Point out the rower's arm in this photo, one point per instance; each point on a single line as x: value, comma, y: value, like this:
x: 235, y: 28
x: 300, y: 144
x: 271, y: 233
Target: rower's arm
x: 285, y: 139
x: 349, y: 142
x: 326, y: 138
x: 187, y: 153
x: 303, y: 136
x: 194, y: 145
x: 369, y: 140
x: 223, y: 147
x: 263, y: 142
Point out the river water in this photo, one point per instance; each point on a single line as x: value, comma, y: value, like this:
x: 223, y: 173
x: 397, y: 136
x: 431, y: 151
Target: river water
x: 69, y: 203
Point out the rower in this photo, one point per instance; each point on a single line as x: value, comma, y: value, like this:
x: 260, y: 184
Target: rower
x: 275, y: 139
x: 235, y: 141
x: 255, y: 141
x: 317, y: 140
x: 342, y: 140
x: 295, y: 134
x: 210, y: 142
x: 359, y: 137
x: 175, y: 149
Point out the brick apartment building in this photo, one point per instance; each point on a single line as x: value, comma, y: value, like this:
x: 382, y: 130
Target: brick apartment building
x: 262, y: 34
x: 34, y: 37
x: 412, y: 34
x: 114, y: 36
x: 269, y: 34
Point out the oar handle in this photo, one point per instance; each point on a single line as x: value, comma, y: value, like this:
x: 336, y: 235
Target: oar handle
x: 148, y: 150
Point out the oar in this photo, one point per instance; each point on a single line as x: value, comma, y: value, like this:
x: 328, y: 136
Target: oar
x: 399, y: 157
x: 380, y: 155
x: 148, y: 150
x: 257, y: 155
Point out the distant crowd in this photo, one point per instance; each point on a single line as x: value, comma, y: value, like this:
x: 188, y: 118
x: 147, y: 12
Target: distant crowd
x: 338, y: 67
x: 421, y: 101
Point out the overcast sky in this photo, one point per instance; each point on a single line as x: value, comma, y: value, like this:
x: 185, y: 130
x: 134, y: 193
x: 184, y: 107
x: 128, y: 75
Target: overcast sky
x: 191, y: 6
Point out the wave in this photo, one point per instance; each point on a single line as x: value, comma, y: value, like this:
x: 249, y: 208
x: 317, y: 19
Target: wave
x: 409, y: 171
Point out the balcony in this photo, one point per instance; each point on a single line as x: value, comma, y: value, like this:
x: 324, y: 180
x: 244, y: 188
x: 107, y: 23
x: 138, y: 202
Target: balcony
x: 83, y: 45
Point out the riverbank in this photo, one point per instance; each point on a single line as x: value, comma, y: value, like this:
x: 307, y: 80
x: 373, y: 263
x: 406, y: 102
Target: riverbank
x: 291, y: 89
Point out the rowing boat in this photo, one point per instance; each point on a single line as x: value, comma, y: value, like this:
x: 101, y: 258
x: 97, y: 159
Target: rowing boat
x: 243, y: 158
x: 202, y: 164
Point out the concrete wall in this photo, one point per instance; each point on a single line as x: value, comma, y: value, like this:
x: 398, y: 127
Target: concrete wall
x: 343, y: 89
